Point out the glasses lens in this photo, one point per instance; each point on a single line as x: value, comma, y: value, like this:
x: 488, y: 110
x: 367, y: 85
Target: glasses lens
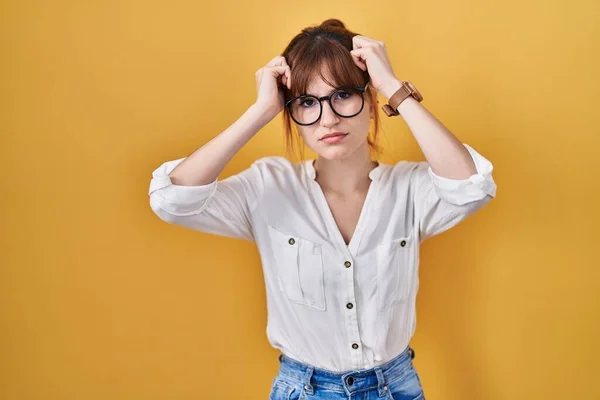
x: 305, y: 109
x: 346, y: 102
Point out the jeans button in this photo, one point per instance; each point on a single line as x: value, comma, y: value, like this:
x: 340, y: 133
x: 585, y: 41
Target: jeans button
x: 350, y: 381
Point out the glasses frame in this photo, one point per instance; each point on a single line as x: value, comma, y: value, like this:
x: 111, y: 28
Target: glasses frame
x: 362, y: 91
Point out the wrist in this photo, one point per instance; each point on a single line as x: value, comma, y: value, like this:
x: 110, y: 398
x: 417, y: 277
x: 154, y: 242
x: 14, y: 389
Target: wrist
x: 262, y: 113
x: 256, y: 117
x: 390, y: 88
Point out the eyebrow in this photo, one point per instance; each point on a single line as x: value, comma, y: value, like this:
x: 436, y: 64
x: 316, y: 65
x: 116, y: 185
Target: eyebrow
x: 328, y: 94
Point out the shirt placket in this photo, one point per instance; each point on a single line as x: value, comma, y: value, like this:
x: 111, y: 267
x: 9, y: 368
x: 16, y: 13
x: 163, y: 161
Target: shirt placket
x: 354, y: 344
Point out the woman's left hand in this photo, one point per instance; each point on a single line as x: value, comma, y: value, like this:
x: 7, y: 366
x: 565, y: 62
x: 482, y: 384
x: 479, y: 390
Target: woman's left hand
x: 371, y: 55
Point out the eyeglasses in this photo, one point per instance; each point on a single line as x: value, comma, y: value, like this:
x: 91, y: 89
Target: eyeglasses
x: 346, y: 101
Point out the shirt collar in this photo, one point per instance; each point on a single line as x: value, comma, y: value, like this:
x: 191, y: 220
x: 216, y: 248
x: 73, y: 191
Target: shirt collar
x: 312, y: 172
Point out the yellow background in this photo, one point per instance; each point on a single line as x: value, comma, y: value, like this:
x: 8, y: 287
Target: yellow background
x: 99, y: 299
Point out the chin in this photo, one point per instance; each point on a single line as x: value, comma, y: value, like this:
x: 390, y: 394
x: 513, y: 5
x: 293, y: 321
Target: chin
x: 338, y: 152
x: 334, y: 154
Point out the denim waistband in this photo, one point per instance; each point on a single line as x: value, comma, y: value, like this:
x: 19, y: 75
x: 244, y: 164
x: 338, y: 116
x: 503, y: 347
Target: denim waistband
x: 350, y: 381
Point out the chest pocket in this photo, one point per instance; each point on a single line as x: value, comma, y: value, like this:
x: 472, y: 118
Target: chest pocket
x: 299, y: 268
x: 395, y: 269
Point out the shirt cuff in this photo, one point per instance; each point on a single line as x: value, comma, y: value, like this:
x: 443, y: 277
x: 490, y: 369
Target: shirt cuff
x: 474, y: 188
x: 179, y: 198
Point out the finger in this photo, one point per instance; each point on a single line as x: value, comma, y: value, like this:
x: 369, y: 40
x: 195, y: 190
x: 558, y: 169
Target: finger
x: 279, y: 72
x: 272, y: 62
x: 285, y: 73
x: 359, y: 41
x: 358, y: 57
x: 286, y: 80
x: 287, y: 76
x: 277, y: 61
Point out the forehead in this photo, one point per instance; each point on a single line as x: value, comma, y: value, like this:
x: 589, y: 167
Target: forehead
x: 321, y: 83
x: 319, y: 87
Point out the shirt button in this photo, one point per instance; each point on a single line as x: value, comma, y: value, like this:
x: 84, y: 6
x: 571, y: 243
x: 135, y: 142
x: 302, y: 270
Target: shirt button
x: 349, y: 306
x: 291, y: 241
x: 348, y: 264
x: 385, y: 387
x: 354, y: 346
x: 403, y: 243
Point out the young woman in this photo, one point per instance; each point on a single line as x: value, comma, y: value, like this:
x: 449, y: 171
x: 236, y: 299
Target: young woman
x: 338, y: 236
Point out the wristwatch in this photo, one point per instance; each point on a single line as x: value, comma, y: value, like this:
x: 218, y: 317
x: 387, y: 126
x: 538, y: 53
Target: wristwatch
x: 407, y: 89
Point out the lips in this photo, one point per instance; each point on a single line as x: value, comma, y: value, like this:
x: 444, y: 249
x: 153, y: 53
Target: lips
x: 333, y: 134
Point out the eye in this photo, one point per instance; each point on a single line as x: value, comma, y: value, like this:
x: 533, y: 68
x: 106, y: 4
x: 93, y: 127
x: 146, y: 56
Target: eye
x: 343, y: 95
x: 307, y: 103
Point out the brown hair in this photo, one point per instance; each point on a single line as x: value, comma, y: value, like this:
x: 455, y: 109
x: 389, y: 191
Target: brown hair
x: 313, y: 51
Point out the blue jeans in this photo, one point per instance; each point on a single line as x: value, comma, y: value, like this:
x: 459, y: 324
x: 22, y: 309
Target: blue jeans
x: 395, y: 380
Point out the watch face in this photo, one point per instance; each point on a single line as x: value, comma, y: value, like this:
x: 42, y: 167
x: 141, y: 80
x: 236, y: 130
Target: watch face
x: 414, y: 91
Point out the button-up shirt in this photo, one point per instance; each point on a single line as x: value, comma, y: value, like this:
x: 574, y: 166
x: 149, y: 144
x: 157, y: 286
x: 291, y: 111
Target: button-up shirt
x: 332, y: 305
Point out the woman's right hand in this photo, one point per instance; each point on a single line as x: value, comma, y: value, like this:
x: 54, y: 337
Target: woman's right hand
x: 269, y: 86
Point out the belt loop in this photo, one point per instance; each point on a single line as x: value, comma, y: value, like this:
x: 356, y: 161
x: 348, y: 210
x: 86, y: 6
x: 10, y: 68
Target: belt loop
x: 307, y: 375
x: 381, y: 385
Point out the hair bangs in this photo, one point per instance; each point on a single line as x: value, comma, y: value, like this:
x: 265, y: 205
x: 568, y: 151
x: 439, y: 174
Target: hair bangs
x: 330, y: 61
x: 324, y: 51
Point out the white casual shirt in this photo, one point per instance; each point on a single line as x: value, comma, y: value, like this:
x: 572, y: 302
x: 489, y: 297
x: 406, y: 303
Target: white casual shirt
x: 334, y: 306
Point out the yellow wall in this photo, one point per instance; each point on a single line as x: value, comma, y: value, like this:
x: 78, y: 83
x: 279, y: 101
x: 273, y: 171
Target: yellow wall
x: 99, y: 299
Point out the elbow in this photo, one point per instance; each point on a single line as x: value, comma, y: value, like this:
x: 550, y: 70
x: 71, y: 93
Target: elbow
x: 476, y: 205
x: 159, y: 210
x: 171, y: 212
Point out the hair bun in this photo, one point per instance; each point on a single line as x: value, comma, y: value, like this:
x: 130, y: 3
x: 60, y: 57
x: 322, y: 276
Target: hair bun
x: 333, y: 23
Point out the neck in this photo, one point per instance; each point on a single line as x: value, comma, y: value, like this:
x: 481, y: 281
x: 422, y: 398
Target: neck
x: 345, y: 176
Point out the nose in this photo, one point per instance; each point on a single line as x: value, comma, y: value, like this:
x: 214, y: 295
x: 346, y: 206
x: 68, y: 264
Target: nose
x: 328, y: 117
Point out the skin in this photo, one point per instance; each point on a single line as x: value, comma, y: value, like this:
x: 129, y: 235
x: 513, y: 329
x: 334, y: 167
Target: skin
x: 349, y: 158
x: 342, y: 169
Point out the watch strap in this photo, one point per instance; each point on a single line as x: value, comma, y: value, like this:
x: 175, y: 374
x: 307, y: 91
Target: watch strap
x: 391, y: 109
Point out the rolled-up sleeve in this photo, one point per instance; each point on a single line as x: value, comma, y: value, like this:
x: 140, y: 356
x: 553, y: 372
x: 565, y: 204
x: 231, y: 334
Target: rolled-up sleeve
x: 441, y: 203
x: 222, y: 207
x: 176, y: 199
x: 474, y: 188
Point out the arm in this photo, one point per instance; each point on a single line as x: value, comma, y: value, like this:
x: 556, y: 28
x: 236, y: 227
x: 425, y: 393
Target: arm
x: 445, y: 154
x: 187, y: 192
x: 205, y: 164
x: 456, y: 180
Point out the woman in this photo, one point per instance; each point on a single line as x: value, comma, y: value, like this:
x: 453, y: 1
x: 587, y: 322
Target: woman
x: 338, y: 236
